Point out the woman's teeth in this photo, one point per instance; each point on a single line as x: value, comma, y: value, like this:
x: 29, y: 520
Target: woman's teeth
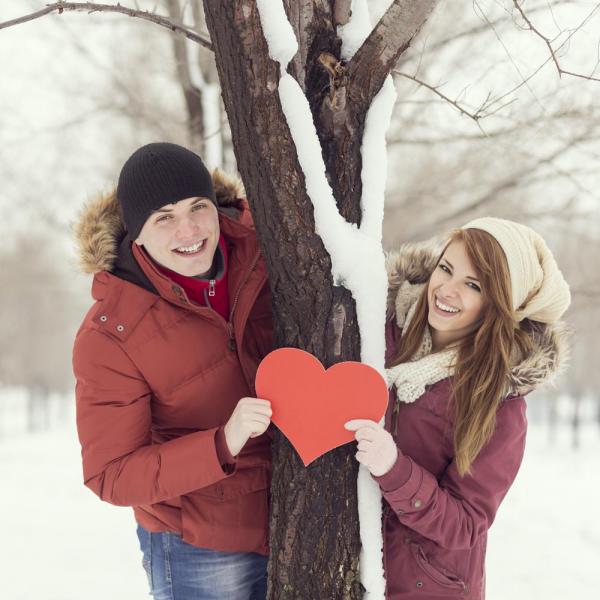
x: 445, y: 307
x: 190, y: 249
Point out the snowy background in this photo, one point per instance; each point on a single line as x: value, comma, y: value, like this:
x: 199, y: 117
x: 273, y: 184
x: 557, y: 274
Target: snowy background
x: 80, y: 92
x: 62, y: 543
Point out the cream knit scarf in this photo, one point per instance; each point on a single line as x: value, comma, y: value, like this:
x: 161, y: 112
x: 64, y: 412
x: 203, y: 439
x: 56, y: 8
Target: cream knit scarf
x: 425, y: 368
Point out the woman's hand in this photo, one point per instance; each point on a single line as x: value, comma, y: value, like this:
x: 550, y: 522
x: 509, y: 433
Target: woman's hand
x: 377, y: 449
x: 250, y: 418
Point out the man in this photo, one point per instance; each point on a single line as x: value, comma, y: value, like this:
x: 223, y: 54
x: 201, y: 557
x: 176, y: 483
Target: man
x: 165, y: 363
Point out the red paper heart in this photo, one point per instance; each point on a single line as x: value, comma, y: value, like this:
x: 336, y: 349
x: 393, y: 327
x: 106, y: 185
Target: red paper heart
x: 310, y: 404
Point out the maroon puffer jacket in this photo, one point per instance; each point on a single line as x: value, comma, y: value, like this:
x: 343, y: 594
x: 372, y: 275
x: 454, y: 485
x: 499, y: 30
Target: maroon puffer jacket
x: 435, y: 521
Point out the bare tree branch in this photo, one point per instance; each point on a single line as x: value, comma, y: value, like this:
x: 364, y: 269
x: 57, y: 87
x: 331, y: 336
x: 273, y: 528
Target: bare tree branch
x: 536, y: 122
x: 513, y: 181
x: 484, y: 27
x: 476, y: 116
x: 548, y: 42
x: 374, y: 60
x: 532, y: 171
x: 91, y: 7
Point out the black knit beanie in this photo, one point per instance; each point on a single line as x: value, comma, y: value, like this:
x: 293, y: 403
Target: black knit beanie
x: 159, y: 174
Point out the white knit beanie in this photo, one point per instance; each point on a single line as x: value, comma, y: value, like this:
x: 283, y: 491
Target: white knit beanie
x: 539, y: 291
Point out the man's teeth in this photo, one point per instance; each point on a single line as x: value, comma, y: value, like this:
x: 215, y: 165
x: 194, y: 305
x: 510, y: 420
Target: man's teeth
x: 191, y: 249
x: 446, y: 307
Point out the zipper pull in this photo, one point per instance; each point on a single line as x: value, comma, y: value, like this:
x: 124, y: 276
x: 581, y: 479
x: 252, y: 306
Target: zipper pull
x: 211, y: 288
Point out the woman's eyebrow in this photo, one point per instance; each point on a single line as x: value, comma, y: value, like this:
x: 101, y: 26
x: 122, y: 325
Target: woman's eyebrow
x: 450, y: 265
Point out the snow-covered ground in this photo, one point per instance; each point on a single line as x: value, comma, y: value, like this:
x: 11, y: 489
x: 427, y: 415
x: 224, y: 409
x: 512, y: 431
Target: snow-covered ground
x: 61, y: 543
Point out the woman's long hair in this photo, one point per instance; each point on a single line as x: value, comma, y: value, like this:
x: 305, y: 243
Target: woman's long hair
x: 483, y: 359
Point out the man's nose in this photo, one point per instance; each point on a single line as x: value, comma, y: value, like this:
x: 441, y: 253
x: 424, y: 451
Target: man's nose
x: 187, y: 227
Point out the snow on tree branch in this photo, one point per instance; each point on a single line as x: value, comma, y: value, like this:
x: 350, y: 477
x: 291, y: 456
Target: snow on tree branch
x: 91, y: 7
x: 354, y: 252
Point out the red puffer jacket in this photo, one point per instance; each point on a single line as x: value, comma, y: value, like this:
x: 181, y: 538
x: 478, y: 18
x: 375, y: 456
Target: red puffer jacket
x: 158, y: 377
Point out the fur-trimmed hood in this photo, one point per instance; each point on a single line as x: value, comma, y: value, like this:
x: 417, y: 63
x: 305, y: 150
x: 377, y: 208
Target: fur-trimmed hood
x: 410, y: 267
x: 99, y: 229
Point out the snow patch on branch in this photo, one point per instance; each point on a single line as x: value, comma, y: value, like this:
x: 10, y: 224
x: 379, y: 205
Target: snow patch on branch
x: 336, y: 232
x: 356, y: 31
x: 373, y: 175
x: 364, y: 16
x: 374, y: 159
x: 357, y: 258
x: 278, y: 31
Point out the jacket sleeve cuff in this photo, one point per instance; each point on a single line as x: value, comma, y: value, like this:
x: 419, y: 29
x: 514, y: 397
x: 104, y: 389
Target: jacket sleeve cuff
x: 408, y: 487
x: 228, y: 462
x: 397, y: 476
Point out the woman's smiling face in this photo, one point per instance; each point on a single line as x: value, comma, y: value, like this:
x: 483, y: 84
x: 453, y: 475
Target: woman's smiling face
x: 454, y: 298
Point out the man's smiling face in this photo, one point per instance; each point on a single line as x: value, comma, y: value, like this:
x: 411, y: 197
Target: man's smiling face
x: 183, y: 236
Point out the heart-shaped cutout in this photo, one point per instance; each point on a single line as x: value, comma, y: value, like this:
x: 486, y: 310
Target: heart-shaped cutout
x: 310, y: 404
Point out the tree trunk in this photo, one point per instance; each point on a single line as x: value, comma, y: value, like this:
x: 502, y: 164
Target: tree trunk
x: 314, y: 538
x: 314, y: 524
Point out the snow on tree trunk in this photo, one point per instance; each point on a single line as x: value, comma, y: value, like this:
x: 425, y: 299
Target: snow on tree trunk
x: 315, y: 543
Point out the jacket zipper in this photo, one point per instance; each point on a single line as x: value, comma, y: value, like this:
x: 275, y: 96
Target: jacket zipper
x: 232, y: 344
x: 207, y: 300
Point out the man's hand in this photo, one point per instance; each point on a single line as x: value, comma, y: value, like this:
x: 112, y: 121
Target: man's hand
x: 377, y: 449
x: 250, y: 418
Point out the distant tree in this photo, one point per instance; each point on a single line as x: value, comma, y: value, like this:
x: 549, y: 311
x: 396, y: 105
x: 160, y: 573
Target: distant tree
x: 39, y: 307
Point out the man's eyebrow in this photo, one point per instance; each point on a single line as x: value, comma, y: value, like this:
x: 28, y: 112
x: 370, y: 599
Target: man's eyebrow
x: 167, y: 210
x: 450, y: 265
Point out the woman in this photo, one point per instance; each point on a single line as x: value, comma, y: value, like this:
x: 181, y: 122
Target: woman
x: 470, y: 333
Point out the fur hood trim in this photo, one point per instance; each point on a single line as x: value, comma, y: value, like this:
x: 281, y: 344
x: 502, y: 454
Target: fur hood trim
x: 99, y: 227
x: 408, y: 270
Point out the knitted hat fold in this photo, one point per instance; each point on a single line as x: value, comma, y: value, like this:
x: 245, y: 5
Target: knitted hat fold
x: 539, y: 290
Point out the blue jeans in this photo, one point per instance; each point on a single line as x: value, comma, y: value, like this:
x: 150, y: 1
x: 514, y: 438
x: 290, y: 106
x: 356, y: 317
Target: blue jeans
x: 177, y: 570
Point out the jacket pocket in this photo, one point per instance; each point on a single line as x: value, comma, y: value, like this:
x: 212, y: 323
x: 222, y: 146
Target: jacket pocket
x: 441, y: 576
x: 229, y: 516
x: 244, y: 481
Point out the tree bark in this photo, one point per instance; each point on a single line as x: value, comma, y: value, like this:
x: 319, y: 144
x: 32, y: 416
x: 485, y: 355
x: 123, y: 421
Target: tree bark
x: 314, y: 521
x: 314, y: 536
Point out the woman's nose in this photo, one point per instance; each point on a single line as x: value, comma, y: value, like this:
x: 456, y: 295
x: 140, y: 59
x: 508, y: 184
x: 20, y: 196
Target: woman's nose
x: 448, y: 289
